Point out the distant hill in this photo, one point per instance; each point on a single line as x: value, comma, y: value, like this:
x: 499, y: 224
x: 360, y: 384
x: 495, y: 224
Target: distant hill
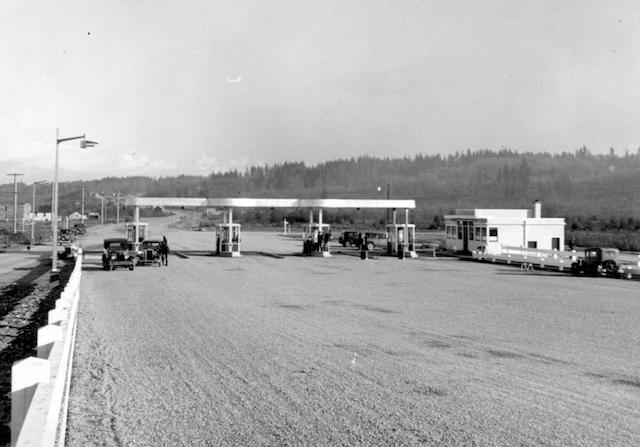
x: 598, y: 191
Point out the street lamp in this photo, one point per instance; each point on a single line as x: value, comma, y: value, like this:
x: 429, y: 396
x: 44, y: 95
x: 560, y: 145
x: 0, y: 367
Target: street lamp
x: 33, y: 211
x: 84, y: 143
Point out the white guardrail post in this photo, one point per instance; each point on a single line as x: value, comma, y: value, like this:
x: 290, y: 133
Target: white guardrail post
x: 40, y: 385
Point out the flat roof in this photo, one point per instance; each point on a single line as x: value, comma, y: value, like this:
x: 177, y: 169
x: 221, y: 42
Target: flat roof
x: 268, y: 203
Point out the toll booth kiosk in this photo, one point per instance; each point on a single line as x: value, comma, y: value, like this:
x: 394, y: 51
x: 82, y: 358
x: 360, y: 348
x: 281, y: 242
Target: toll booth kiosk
x: 398, y: 244
x: 139, y: 228
x: 317, y: 240
x: 228, y: 239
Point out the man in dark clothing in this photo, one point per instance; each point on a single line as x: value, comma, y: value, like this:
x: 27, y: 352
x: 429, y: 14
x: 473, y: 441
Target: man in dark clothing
x: 164, y: 251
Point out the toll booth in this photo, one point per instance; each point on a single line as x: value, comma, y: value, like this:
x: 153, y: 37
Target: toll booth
x: 228, y: 239
x: 139, y: 228
x: 398, y: 243
x: 317, y: 239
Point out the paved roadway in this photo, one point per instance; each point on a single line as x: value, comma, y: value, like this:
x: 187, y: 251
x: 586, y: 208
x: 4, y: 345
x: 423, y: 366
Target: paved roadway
x: 298, y: 351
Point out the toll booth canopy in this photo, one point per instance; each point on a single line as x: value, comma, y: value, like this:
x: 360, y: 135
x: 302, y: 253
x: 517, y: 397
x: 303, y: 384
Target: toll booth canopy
x: 228, y: 239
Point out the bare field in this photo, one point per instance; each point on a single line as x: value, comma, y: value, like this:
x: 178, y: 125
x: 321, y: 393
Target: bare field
x: 262, y: 350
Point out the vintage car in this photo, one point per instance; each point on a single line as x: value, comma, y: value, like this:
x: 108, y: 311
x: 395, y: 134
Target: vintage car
x: 118, y: 252
x: 597, y: 261
x: 149, y: 252
x: 65, y: 236
x: 374, y: 238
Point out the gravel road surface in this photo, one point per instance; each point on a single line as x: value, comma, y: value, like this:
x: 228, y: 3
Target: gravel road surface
x: 262, y: 350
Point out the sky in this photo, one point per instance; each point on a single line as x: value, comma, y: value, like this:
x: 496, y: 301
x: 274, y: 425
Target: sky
x: 194, y: 87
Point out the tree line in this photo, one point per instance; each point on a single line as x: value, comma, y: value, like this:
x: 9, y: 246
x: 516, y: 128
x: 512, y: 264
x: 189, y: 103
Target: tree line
x: 592, y: 191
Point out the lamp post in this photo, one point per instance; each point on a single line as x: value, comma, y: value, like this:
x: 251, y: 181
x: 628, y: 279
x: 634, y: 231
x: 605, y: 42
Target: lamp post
x: 15, y: 201
x: 33, y: 212
x: 54, y: 208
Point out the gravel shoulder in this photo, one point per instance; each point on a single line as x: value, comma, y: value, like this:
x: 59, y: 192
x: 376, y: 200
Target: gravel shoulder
x: 309, y: 351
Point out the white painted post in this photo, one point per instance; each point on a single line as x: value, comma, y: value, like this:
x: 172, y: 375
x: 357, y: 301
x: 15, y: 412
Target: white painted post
x: 136, y: 231
x: 56, y: 315
x: 47, y: 335
x: 25, y: 376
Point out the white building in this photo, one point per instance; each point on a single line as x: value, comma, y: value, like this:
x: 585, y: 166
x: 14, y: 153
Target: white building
x: 493, y: 228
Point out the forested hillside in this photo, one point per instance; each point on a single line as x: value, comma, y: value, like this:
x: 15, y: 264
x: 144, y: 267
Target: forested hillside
x: 590, y: 191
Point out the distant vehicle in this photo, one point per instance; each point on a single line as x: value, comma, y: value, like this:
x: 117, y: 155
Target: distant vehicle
x: 597, y: 260
x: 118, y: 252
x: 348, y: 238
x: 374, y: 238
x: 80, y: 228
x: 65, y: 236
x: 149, y: 252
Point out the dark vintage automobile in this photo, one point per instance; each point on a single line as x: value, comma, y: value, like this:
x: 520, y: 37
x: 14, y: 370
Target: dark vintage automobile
x: 374, y: 239
x: 149, y: 252
x: 118, y: 252
x: 65, y: 236
x: 597, y: 261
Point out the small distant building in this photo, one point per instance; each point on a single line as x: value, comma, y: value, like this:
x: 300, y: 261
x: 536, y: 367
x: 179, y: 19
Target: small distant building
x: 76, y: 216
x: 493, y: 228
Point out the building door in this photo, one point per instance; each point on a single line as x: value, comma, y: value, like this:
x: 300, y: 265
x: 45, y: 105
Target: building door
x: 555, y: 243
x: 465, y: 236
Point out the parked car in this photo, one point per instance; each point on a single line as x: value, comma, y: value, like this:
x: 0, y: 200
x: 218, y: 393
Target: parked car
x: 149, y: 252
x: 597, y: 260
x: 80, y: 228
x: 348, y: 238
x: 374, y: 238
x: 118, y: 252
x: 65, y: 236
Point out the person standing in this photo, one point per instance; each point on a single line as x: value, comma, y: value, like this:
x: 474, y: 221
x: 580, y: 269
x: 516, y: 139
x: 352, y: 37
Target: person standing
x: 164, y: 251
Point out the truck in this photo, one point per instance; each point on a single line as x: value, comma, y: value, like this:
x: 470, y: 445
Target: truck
x: 597, y: 261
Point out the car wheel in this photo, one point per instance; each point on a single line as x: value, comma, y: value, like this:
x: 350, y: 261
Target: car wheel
x: 370, y: 245
x: 610, y: 266
x: 131, y: 266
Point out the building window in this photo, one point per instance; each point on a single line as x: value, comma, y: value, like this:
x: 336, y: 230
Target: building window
x: 484, y: 234
x: 532, y: 244
x: 555, y: 243
x: 493, y: 235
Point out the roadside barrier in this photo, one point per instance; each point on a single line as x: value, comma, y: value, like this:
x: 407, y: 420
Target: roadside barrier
x: 40, y: 385
x: 529, y: 258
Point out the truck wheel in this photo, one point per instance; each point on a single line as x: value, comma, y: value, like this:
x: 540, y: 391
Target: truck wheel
x: 610, y: 266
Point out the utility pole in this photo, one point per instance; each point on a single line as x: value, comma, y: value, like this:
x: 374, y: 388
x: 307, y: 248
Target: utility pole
x: 33, y: 212
x: 388, y: 194
x: 118, y: 208
x: 15, y: 201
x: 82, y: 208
x: 102, y: 210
